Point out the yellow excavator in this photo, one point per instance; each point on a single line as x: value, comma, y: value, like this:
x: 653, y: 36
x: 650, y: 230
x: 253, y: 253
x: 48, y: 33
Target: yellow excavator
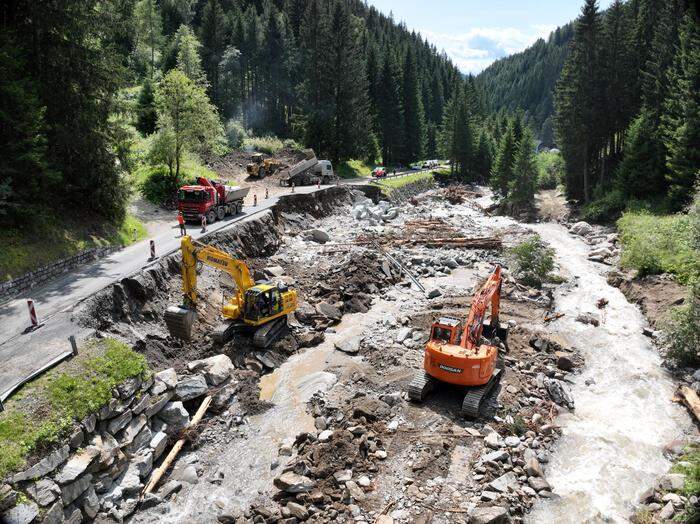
x: 260, y: 307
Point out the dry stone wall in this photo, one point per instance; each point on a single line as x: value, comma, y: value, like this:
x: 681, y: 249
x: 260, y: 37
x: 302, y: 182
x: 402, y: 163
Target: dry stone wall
x: 100, y: 471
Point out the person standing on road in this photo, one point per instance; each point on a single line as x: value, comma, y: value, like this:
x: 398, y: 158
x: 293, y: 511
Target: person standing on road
x: 181, y: 221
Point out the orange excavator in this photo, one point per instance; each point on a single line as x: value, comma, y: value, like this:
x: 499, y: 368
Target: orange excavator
x: 465, y: 354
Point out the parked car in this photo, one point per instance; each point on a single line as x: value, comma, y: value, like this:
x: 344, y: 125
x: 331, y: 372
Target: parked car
x: 379, y: 172
x: 417, y: 166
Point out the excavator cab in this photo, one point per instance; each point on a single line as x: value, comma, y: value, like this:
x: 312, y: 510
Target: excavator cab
x: 262, y: 301
x: 446, y: 330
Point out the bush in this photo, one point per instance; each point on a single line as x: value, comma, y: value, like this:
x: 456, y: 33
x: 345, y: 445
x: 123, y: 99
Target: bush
x: 532, y: 261
x: 606, y: 208
x: 659, y: 244
x: 157, y: 185
x: 550, y: 170
x: 265, y: 144
x: 681, y: 332
x: 235, y: 133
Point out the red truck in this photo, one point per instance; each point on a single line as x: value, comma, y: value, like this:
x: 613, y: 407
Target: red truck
x: 212, y: 199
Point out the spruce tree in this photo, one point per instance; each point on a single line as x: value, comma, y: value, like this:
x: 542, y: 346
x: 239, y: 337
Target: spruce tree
x: 146, y: 109
x: 213, y: 37
x: 522, y: 187
x: 502, y: 173
x: 414, y: 116
x: 681, y: 116
x: 391, y: 116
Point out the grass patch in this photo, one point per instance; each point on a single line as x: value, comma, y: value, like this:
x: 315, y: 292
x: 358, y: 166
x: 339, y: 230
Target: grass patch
x: 659, y: 244
x: 354, y: 169
x: 44, y: 410
x: 270, y: 144
x: 395, y: 183
x: 25, y: 250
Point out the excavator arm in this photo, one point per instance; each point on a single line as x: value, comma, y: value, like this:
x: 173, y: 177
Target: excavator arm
x: 179, y: 319
x: 490, y: 293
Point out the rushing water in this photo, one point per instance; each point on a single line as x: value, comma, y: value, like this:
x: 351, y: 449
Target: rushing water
x: 611, y: 448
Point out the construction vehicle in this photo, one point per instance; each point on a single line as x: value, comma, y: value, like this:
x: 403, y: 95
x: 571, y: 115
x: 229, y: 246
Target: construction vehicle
x: 261, y: 307
x: 211, y: 199
x: 309, y: 171
x: 456, y: 354
x: 260, y: 168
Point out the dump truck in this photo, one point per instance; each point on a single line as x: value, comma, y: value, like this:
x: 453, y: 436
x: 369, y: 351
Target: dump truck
x: 209, y: 198
x: 309, y: 171
x: 260, y: 168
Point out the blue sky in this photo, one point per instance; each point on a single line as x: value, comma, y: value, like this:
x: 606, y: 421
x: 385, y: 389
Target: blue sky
x: 475, y: 33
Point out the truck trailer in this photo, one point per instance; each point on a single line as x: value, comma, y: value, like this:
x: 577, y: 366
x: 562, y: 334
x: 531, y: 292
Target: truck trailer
x: 214, y: 200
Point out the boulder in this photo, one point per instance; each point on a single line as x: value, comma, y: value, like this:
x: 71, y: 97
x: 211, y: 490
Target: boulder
x: 434, y: 293
x: 672, y: 482
x: 355, y: 491
x: 118, y: 423
x: 370, y: 408
x: 403, y: 334
x: 342, y: 475
x: 291, y: 482
x: 581, y: 229
x: 317, y: 235
x: 564, y: 361
x: 127, y: 388
x: 191, y: 387
x: 44, y: 491
x: 533, y: 468
x: 157, y: 403
x: 504, y: 482
x: 217, y: 369
x: 558, y: 393
x: 141, y: 441
x: 489, y: 515
x: 667, y: 512
x: 495, y: 456
x: 90, y: 503
x: 538, y: 484
x: 158, y: 444
x: 274, y: 271
x: 512, y: 441
x: 351, y: 345
x: 175, y: 415
x: 44, y: 466
x: 134, y: 427
x: 77, y: 465
x: 329, y: 311
x: 164, y: 380
x: 141, y: 404
x: 20, y: 514
x: 54, y: 515
x: 70, y: 492
x: 297, y: 510
x: 493, y: 440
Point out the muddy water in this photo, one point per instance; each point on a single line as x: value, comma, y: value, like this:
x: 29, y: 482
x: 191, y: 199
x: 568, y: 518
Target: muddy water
x: 246, y: 464
x: 611, y: 449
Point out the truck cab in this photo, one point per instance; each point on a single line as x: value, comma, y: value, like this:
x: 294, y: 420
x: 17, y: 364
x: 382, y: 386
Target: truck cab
x: 324, y: 170
x: 195, y: 201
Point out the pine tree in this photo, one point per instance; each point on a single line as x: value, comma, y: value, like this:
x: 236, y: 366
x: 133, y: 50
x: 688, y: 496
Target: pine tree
x: 188, y: 59
x: 502, y: 173
x: 414, y: 116
x: 681, y: 116
x: 149, y: 30
x: 146, y: 109
x: 391, y: 116
x: 212, y: 34
x: 484, y: 156
x: 522, y: 187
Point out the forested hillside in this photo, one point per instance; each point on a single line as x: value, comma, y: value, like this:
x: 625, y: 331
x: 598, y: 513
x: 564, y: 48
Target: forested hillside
x: 525, y: 81
x: 628, y: 105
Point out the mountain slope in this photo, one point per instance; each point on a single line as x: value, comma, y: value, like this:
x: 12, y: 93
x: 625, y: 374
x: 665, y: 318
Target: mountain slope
x: 526, y: 81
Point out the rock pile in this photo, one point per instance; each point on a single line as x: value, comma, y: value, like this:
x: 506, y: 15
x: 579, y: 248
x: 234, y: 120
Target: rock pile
x: 604, y: 243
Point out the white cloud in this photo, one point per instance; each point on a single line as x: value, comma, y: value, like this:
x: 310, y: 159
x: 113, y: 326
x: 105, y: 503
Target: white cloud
x: 476, y: 49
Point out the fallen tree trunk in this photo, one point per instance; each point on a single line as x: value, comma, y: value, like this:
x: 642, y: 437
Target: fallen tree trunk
x: 158, y: 473
x: 691, y: 399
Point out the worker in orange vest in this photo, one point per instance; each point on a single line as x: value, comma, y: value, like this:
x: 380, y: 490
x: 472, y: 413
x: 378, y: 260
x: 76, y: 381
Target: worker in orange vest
x: 181, y: 221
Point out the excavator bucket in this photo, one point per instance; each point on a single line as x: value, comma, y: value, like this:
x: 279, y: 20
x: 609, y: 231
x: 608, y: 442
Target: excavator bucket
x: 179, y: 321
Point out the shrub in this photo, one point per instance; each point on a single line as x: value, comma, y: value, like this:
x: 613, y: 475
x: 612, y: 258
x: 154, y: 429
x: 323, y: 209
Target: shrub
x: 659, y: 244
x: 157, y: 185
x: 606, y: 208
x: 681, y: 331
x: 235, y: 133
x: 550, y: 170
x: 292, y: 144
x: 265, y: 144
x: 532, y: 261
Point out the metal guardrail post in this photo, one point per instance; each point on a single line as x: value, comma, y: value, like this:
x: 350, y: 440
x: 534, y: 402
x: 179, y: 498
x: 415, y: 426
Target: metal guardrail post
x: 2, y: 408
x: 73, y: 345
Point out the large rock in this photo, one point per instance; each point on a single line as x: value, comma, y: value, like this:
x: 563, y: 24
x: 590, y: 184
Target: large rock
x: 672, y: 482
x: 581, y: 228
x: 319, y: 236
x: 504, y: 482
x: 158, y: 444
x: 370, y: 408
x: 134, y: 427
x: 118, y: 423
x: 329, y: 311
x: 350, y: 345
x: 127, y: 388
x: 20, y: 514
x: 141, y: 404
x: 558, y: 393
x: 489, y: 515
x: 493, y: 440
x: 191, y: 387
x: 43, y: 467
x: 403, y: 334
x: 44, y: 491
x: 72, y: 491
x: 163, y: 381
x: 77, y: 465
x: 538, y: 484
x: 290, y: 482
x: 157, y: 403
x: 54, y: 515
x: 217, y: 369
x: 533, y: 468
x: 175, y: 416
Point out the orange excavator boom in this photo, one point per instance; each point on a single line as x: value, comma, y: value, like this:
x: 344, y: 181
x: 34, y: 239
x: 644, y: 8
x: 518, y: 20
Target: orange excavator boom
x: 489, y: 292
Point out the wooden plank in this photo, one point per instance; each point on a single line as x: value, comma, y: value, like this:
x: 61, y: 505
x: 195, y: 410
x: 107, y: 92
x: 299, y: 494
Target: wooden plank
x: 691, y: 399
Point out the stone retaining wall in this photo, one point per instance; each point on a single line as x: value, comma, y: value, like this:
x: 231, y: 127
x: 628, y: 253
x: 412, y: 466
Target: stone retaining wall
x: 49, y: 271
x: 100, y: 471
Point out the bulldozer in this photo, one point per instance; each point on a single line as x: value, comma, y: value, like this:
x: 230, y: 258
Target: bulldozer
x: 465, y: 353
x: 260, y: 167
x: 261, y: 307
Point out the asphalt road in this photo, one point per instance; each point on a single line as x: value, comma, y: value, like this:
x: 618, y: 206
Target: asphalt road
x: 23, y: 354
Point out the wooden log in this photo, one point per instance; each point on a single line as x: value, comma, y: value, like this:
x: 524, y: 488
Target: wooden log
x: 691, y: 399
x: 158, y: 473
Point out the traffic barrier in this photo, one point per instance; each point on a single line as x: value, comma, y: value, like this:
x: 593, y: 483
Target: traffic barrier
x: 255, y: 200
x: 32, y: 314
x: 267, y: 193
x: 204, y: 223
x: 73, y: 345
x: 153, y: 250
x: 292, y: 187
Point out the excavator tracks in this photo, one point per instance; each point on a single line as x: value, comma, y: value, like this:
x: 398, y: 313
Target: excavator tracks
x: 421, y: 385
x: 269, y: 333
x: 473, y: 400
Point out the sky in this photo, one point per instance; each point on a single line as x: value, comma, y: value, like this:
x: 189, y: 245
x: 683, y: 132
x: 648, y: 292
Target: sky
x: 474, y: 33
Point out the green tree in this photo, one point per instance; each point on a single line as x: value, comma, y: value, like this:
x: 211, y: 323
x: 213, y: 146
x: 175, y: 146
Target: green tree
x: 149, y: 31
x: 185, y: 117
x: 484, y: 156
x: 147, y: 117
x: 230, y: 79
x: 212, y: 34
x: 522, y: 187
x: 391, y: 115
x: 188, y: 58
x: 502, y: 173
x: 681, y: 116
x: 414, y: 115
